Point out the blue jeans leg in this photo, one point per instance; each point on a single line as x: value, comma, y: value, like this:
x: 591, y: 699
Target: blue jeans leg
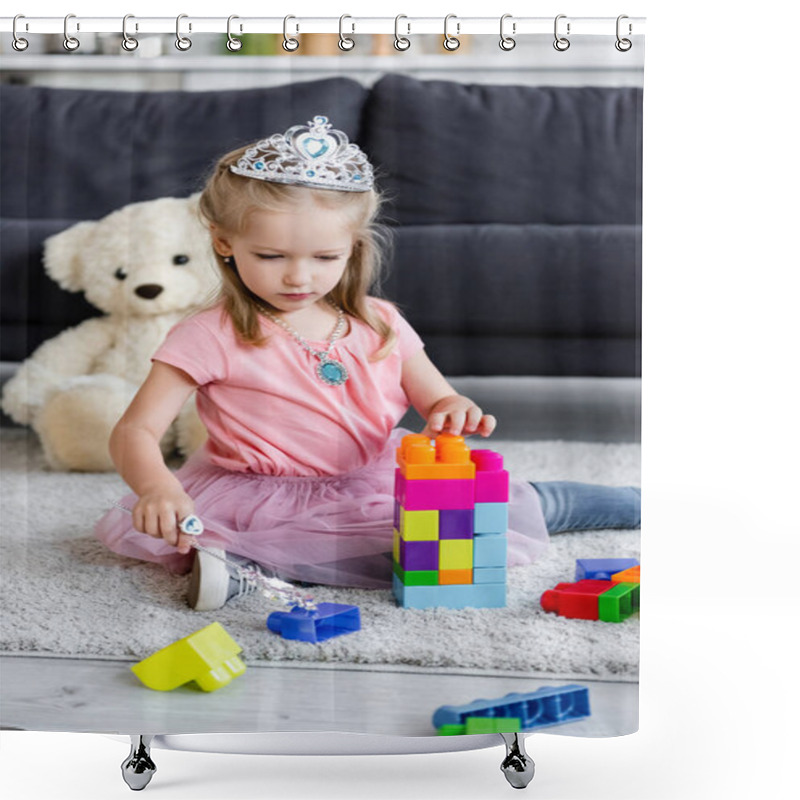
x: 571, y: 506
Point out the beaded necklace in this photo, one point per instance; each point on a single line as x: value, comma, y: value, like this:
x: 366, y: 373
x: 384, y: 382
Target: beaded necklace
x: 329, y: 370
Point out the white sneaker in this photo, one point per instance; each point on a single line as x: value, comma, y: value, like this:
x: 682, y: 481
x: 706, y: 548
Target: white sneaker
x: 213, y: 582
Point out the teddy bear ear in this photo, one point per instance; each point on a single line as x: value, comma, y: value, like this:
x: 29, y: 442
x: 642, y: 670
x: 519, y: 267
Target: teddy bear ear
x: 64, y: 252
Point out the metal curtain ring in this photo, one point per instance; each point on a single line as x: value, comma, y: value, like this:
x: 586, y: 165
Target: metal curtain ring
x: 623, y: 45
x: 183, y: 43
x: 70, y: 42
x: 401, y: 43
x: 344, y: 42
x: 450, y: 43
x: 19, y: 44
x: 288, y: 44
x: 561, y: 43
x: 507, y: 42
x: 233, y: 44
x: 129, y: 43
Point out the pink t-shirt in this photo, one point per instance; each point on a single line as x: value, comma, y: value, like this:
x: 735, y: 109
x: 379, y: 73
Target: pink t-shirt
x: 266, y: 410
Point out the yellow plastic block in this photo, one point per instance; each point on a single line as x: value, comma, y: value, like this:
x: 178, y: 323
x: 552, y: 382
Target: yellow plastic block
x: 450, y: 577
x: 630, y: 575
x: 455, y: 554
x: 208, y: 656
x: 448, y: 458
x: 396, y: 546
x: 419, y: 526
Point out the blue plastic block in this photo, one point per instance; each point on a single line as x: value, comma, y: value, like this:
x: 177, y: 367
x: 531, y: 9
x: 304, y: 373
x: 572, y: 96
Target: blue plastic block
x: 483, y: 595
x: 489, y: 575
x: 491, y: 517
x: 550, y: 705
x: 329, y: 620
x: 490, y: 550
x: 601, y: 569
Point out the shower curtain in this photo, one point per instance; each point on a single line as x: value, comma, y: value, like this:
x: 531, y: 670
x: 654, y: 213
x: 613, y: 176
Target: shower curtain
x: 512, y: 178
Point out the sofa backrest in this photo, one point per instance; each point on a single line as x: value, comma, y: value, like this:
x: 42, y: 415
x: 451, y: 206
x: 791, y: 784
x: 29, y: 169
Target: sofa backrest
x: 516, y: 210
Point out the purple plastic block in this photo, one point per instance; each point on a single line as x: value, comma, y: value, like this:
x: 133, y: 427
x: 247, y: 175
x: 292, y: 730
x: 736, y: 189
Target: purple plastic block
x: 327, y: 621
x: 419, y: 555
x: 425, y: 495
x: 456, y: 523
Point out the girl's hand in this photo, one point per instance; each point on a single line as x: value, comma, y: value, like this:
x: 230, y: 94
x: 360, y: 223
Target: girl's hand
x: 158, y: 512
x: 458, y: 415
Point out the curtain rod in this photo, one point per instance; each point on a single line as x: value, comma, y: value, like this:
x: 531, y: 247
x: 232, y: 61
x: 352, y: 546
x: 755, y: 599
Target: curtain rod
x: 453, y: 25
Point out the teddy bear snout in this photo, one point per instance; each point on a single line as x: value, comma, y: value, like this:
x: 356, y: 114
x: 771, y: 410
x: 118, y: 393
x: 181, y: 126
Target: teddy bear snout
x: 149, y: 291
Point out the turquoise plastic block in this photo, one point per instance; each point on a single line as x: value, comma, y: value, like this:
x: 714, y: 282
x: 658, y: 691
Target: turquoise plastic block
x: 415, y: 596
x: 489, y: 575
x: 483, y: 595
x: 491, y: 517
x: 490, y: 550
x: 550, y: 705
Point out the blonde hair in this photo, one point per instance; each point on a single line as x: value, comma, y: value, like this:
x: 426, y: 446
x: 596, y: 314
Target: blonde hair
x: 228, y: 199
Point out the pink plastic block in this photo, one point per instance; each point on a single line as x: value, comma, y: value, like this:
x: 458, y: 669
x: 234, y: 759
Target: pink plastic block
x: 491, y: 480
x: 423, y: 495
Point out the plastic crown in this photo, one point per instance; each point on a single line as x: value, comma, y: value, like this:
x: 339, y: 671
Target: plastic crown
x: 313, y: 155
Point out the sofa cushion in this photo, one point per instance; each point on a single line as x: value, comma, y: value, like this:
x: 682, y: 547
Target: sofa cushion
x: 456, y: 153
x: 79, y: 154
x: 33, y: 307
x: 522, y: 299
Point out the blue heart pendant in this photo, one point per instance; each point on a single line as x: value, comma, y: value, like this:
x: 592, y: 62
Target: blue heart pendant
x: 315, y: 147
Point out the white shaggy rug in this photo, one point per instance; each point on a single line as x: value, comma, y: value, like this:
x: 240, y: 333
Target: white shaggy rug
x: 64, y: 594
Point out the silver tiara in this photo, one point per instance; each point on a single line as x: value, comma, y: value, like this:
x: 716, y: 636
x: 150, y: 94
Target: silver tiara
x: 308, y: 155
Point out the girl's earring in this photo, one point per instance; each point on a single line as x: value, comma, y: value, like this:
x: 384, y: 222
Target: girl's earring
x: 228, y: 260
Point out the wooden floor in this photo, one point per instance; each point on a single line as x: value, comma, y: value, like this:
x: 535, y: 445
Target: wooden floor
x: 100, y: 696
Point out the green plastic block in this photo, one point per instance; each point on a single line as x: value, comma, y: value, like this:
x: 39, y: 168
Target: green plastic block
x: 618, y: 603
x: 452, y: 730
x: 417, y: 577
x: 492, y: 725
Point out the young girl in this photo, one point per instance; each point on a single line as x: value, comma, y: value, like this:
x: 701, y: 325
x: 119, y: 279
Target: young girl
x: 301, y: 378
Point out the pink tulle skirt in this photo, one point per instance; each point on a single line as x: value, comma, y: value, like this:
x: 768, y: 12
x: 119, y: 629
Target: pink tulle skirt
x: 333, y: 530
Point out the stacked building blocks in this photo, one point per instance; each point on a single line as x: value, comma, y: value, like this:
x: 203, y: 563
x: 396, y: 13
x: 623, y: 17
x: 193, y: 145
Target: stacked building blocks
x: 608, y: 596
x: 209, y: 657
x: 325, y: 622
x: 550, y: 705
x: 450, y: 524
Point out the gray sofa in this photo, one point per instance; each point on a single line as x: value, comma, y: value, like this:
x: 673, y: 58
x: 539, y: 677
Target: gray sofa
x: 515, y: 210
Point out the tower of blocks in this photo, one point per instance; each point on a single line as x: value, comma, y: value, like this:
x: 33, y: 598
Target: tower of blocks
x: 450, y: 524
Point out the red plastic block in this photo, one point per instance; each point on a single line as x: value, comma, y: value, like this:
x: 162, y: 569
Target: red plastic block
x: 491, y: 480
x: 575, y: 600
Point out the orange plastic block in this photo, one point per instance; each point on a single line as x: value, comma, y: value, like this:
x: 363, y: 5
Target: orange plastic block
x: 630, y: 575
x: 448, y: 458
x: 449, y: 577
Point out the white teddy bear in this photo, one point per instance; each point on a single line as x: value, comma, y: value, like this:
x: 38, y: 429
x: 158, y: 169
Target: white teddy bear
x: 146, y: 266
